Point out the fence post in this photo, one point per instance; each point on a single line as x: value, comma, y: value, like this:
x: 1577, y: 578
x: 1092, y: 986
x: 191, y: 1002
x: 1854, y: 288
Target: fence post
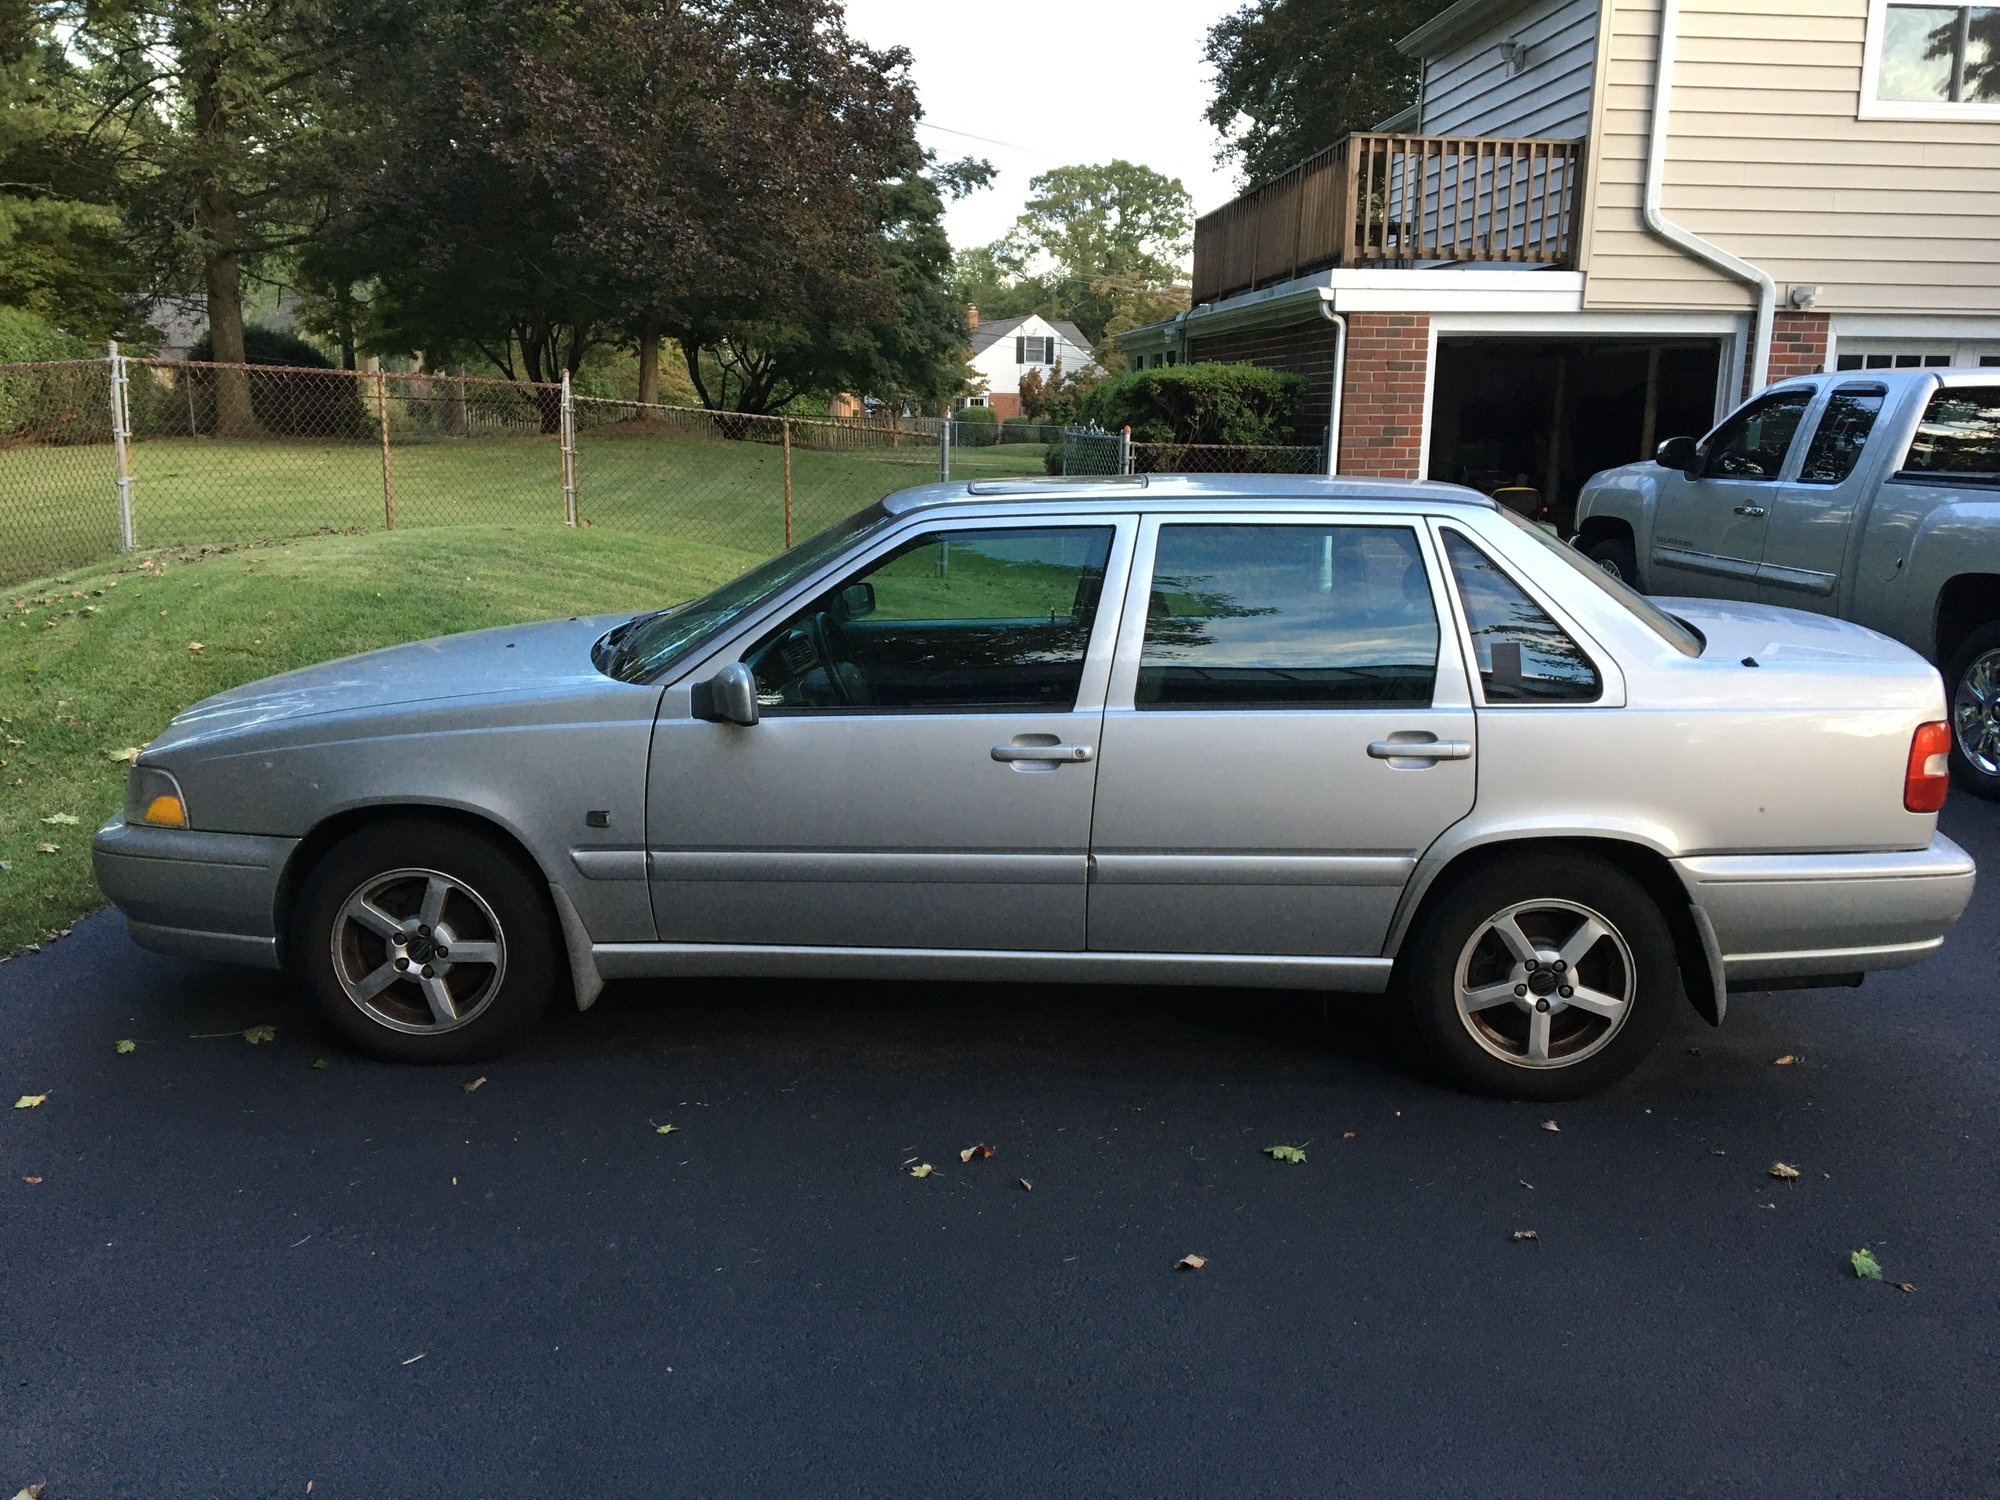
x: 568, y: 454
x: 388, y: 478
x: 1125, y: 449
x: 121, y: 455
x: 944, y: 450
x: 785, y: 427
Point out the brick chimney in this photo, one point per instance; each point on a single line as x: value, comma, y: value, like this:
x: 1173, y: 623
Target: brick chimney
x: 972, y: 317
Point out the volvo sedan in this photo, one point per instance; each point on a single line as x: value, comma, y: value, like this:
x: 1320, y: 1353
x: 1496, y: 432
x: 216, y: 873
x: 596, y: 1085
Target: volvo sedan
x: 1315, y: 733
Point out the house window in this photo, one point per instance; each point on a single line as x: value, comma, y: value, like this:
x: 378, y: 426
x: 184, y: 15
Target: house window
x: 1926, y: 60
x: 1907, y: 360
x: 1034, y: 351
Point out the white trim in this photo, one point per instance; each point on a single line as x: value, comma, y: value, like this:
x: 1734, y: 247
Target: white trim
x: 1596, y: 324
x: 1868, y: 107
x: 1430, y: 397
x: 1945, y: 327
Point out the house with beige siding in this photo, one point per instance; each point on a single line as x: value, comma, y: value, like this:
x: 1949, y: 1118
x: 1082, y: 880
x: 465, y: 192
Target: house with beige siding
x: 1604, y: 221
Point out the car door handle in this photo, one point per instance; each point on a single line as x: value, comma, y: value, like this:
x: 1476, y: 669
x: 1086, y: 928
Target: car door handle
x: 1421, y: 749
x: 1749, y: 510
x: 1070, y: 753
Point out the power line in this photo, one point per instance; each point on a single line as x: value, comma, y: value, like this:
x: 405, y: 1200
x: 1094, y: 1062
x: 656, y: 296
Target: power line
x: 983, y: 139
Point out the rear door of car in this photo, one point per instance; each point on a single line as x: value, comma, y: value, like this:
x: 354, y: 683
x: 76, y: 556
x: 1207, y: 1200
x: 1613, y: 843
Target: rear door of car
x: 1812, y: 513
x: 1287, y: 729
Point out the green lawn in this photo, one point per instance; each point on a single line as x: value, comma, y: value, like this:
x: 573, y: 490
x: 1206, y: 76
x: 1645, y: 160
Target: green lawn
x: 97, y: 660
x: 58, y: 505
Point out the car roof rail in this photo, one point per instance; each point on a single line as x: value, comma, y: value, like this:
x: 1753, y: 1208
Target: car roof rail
x: 1055, y: 484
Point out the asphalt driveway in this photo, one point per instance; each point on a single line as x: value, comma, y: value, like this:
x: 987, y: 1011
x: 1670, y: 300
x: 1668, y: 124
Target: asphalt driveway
x: 240, y: 1272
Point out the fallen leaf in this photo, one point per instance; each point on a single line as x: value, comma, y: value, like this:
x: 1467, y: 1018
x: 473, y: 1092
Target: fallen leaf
x: 1865, y: 1265
x: 1551, y: 1125
x: 982, y: 1151
x: 61, y: 820
x: 29, y: 1492
x: 657, y: 1129
x: 195, y: 646
x: 1347, y: 1135
x: 128, y: 756
x: 1901, y: 1286
x: 473, y: 1087
x: 1190, y: 1262
x: 48, y: 848
x: 30, y: 1101
x: 1784, y: 1171
x: 255, y: 1034
x: 414, y: 1358
x: 1296, y: 1155
x: 37, y: 1182
x: 1717, y: 1151
x: 319, y: 1062
x: 1026, y: 1186
x: 922, y: 1169
x: 1525, y: 1234
x: 127, y: 1045
x: 1783, y: 1062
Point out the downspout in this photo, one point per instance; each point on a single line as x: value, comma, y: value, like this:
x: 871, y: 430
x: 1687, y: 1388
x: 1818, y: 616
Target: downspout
x: 1673, y: 234
x: 1339, y: 322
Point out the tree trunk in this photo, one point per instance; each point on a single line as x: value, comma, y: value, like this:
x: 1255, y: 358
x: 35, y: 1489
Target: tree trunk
x: 215, y: 221
x: 649, y: 365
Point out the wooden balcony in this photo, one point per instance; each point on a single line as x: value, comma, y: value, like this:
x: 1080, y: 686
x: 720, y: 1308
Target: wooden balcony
x: 1396, y: 201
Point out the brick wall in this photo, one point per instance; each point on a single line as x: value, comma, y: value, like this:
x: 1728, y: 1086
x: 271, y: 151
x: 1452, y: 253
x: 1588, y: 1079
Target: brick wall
x: 1005, y: 404
x: 1798, y: 344
x: 1383, y: 402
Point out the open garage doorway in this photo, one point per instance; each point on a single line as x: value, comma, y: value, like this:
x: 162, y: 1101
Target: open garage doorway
x: 1546, y: 414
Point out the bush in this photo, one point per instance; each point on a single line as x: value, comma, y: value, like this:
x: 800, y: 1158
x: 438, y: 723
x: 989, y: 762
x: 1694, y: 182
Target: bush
x: 26, y: 338
x: 978, y: 427
x: 50, y: 406
x: 1020, y: 430
x: 1201, y: 403
x: 285, y: 405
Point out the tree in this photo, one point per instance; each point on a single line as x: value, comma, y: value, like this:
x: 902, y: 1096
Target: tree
x: 1093, y: 235
x: 1295, y: 76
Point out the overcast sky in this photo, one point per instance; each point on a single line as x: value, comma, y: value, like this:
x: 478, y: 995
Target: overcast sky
x: 1049, y: 83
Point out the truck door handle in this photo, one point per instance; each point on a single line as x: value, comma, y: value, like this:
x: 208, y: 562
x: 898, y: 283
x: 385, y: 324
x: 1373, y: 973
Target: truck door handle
x: 1749, y: 510
x: 1421, y: 749
x: 1070, y: 753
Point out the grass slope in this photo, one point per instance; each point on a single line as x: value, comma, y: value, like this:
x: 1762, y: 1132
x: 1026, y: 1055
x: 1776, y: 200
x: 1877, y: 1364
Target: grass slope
x: 98, y: 659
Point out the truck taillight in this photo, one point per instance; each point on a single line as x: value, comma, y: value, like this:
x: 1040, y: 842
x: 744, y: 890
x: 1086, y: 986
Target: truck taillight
x: 1929, y: 771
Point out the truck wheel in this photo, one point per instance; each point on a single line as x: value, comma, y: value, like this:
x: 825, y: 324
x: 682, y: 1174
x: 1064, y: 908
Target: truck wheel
x: 1972, y: 677
x: 1618, y: 557
x: 1548, y: 977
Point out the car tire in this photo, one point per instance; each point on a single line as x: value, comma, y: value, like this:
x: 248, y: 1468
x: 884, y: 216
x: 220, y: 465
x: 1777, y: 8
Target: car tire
x: 1972, y: 684
x: 423, y: 940
x: 1618, y: 557
x: 1483, y: 1016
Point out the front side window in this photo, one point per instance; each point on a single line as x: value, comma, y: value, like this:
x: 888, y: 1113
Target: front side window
x: 968, y: 621
x: 1288, y: 616
x: 1939, y: 54
x: 1753, y: 443
x: 1841, y: 435
x: 1523, y: 656
x: 1960, y: 433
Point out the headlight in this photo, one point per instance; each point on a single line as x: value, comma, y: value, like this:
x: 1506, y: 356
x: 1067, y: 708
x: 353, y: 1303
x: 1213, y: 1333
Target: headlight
x: 153, y: 796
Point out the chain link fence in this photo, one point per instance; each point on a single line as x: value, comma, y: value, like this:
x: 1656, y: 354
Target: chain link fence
x: 97, y: 456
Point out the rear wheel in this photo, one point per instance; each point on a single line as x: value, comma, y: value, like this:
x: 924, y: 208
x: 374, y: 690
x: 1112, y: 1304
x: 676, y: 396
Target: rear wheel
x: 425, y: 941
x: 1547, y: 977
x: 1618, y: 557
x: 1972, y: 677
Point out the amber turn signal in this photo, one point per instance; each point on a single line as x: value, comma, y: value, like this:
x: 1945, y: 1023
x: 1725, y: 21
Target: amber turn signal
x: 167, y: 812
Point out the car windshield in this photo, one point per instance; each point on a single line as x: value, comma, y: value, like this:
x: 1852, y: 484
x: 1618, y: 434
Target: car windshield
x: 646, y: 644
x: 1682, y: 637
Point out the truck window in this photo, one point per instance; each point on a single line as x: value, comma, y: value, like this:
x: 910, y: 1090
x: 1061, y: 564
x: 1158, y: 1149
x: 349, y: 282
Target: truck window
x: 1753, y: 443
x: 1960, y: 433
x: 1842, y: 434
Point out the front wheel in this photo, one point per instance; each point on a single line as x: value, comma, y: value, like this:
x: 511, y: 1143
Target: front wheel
x: 1618, y: 557
x: 1972, y: 677
x: 1548, y: 977
x: 422, y: 940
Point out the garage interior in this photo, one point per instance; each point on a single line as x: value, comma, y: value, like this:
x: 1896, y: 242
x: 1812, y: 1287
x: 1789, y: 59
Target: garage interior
x: 1547, y: 414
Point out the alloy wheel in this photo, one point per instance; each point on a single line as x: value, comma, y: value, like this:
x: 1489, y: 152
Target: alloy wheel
x: 1975, y: 713
x: 418, y: 951
x: 1545, y: 984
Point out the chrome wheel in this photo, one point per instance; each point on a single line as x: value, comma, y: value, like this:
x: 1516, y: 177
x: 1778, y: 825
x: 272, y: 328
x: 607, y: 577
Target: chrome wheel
x: 1975, y: 713
x: 1545, y: 984
x: 418, y: 951
x: 1611, y: 567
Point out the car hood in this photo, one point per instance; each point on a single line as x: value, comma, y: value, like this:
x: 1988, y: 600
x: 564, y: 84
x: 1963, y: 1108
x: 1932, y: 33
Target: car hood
x: 1777, y: 637
x: 553, y: 654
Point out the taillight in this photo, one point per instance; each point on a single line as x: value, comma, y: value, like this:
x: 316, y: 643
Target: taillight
x: 1929, y: 771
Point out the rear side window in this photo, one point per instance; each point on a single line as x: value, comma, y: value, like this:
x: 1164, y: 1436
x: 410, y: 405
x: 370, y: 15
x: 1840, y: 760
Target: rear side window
x: 1523, y: 655
x: 1960, y: 433
x: 1288, y: 616
x: 1841, y: 435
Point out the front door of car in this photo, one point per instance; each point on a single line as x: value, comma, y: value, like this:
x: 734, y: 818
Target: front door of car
x: 1812, y: 515
x: 922, y: 768
x: 1709, y: 525
x: 1287, y: 731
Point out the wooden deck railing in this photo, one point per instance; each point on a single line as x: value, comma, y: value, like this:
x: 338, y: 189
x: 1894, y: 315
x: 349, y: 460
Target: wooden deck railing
x: 1396, y: 200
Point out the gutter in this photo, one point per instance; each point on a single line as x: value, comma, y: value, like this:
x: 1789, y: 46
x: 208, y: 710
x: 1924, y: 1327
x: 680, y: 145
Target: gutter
x: 1663, y: 228
x: 1278, y: 308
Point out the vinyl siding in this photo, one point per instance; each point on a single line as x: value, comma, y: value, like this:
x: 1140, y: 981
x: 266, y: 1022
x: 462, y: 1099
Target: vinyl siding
x: 1767, y: 159
x: 1468, y: 89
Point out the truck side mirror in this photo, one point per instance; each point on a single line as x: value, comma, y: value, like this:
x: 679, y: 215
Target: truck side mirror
x: 1677, y: 453
x: 729, y: 697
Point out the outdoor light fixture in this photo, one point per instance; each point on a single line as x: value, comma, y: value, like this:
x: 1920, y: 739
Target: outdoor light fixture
x: 1803, y: 297
x: 1514, y: 53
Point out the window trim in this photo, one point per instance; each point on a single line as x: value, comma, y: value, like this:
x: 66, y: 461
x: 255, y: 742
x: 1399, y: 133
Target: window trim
x: 1870, y: 107
x: 1818, y: 411
x: 1449, y: 692
x: 1608, y: 694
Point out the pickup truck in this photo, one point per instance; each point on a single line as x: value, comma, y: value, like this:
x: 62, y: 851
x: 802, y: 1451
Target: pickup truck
x: 1873, y: 496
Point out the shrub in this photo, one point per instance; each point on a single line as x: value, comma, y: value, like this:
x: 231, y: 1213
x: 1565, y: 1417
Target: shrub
x: 978, y: 427
x: 26, y: 337
x: 50, y: 406
x: 1020, y: 430
x: 286, y: 405
x: 1201, y: 403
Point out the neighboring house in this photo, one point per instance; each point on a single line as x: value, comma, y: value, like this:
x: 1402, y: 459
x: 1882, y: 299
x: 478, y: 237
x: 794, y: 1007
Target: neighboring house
x: 1007, y: 348
x: 1532, y: 273
x: 180, y: 322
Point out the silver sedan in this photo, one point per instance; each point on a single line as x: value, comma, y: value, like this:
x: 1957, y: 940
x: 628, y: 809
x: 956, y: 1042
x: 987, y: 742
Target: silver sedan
x: 1361, y: 736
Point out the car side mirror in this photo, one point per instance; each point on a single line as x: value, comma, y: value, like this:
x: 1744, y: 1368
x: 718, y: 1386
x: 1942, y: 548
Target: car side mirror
x: 855, y: 602
x: 1677, y: 453
x: 729, y: 697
